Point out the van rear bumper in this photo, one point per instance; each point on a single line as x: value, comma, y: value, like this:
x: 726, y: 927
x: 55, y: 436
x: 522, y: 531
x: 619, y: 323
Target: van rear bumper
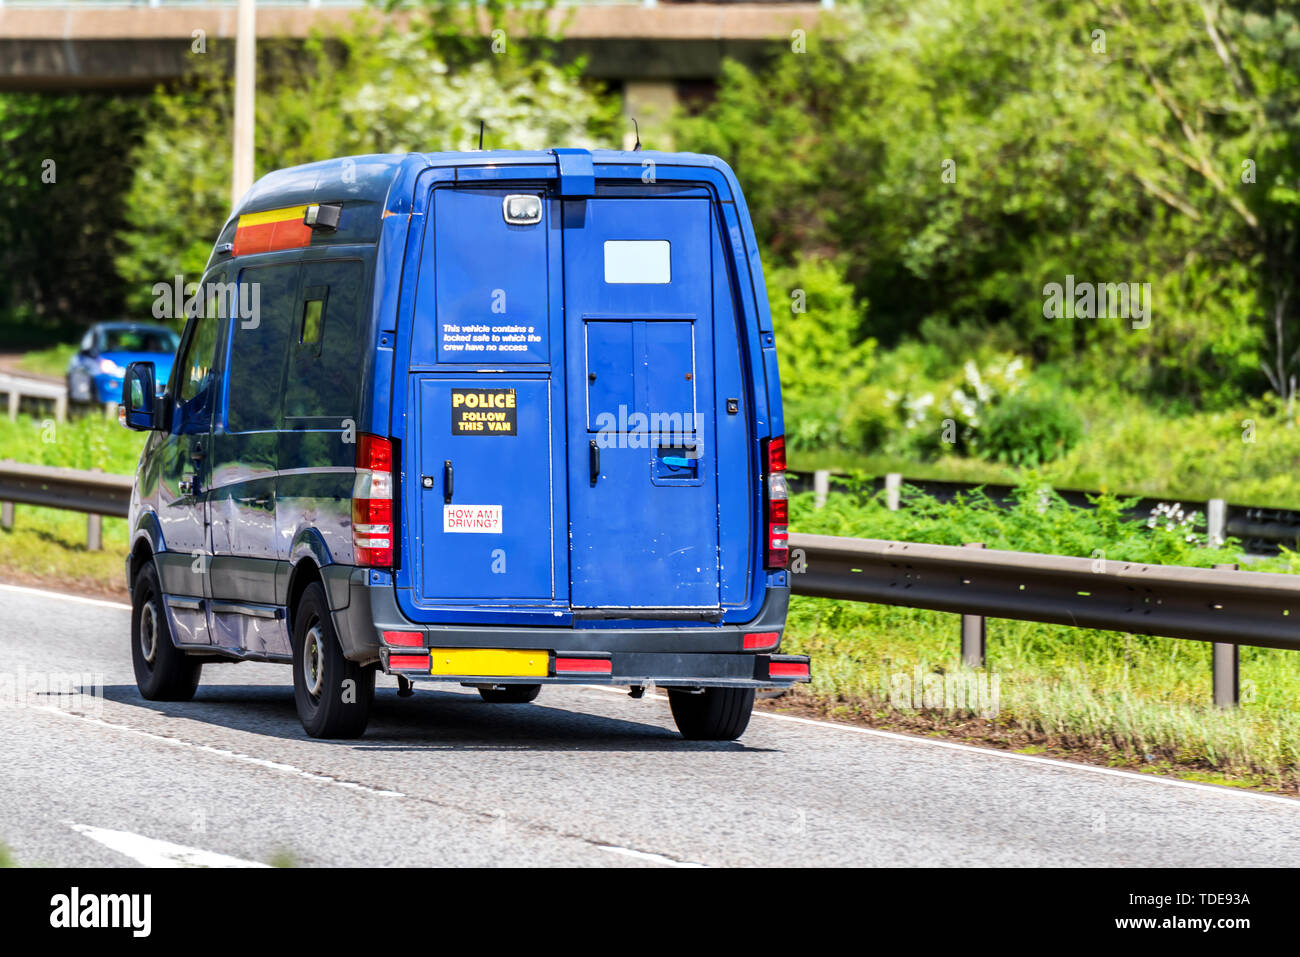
x: 666, y: 670
x: 684, y: 654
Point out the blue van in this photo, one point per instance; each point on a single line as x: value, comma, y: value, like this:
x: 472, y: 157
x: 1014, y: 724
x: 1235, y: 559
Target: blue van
x: 504, y: 419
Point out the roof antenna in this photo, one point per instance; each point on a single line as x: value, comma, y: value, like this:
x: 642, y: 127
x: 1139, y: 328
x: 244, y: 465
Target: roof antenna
x: 638, y: 135
x: 480, y: 135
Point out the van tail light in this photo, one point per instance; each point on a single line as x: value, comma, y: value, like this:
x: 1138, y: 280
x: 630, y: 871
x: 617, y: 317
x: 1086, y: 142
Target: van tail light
x: 372, y: 502
x: 777, y: 517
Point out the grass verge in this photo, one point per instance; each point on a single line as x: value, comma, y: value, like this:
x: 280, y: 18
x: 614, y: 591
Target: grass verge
x: 51, y: 362
x: 1106, y: 698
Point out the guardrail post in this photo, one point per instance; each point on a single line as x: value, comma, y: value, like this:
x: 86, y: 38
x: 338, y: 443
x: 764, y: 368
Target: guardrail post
x: 6, y: 515
x: 1227, y: 668
x: 821, y: 487
x: 893, y: 482
x: 973, y: 635
x: 94, y: 528
x: 14, y: 397
x: 61, y: 408
x: 1216, y: 522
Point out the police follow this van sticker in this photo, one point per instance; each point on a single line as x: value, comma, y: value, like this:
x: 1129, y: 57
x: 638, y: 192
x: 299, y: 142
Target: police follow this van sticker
x: 485, y: 519
x: 483, y: 412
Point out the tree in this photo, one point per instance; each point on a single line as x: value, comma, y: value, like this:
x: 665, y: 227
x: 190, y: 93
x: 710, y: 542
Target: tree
x: 64, y: 166
x: 961, y: 156
x: 375, y: 89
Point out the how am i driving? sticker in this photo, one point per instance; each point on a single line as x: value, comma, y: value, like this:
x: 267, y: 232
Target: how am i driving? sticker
x: 483, y: 412
x: 485, y: 519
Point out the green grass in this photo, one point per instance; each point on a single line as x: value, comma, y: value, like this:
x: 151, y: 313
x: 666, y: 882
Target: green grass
x: 51, y: 361
x: 1102, y: 692
x: 6, y: 857
x: 48, y: 546
x: 91, y: 441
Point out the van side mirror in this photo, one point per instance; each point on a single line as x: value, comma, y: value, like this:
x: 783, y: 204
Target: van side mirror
x: 139, y: 398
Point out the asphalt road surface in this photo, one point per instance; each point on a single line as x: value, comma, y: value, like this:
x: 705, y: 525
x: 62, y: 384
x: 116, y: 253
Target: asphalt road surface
x: 583, y: 776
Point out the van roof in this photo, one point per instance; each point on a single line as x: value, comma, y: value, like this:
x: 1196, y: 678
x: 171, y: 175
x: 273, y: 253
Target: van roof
x: 369, y: 178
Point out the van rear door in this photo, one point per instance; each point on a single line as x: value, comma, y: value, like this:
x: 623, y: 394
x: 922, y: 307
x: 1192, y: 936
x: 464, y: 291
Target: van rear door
x: 482, y: 515
x: 642, y: 469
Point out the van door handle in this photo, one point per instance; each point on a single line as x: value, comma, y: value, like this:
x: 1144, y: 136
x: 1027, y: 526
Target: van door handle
x: 448, y: 481
x: 593, y: 461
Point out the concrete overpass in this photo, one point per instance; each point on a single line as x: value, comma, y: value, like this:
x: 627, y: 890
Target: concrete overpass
x: 85, y: 44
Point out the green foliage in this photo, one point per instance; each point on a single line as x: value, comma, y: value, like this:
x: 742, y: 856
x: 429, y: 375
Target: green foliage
x: 52, y: 361
x: 89, y: 442
x: 64, y: 168
x: 1038, y: 520
x: 373, y: 89
x: 1029, y: 431
x: 824, y: 361
x: 960, y: 155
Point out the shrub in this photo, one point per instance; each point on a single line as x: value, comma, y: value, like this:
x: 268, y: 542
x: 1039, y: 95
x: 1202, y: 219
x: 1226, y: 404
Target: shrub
x: 1028, y: 431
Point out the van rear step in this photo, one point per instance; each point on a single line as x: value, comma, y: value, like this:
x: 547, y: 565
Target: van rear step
x: 619, y: 668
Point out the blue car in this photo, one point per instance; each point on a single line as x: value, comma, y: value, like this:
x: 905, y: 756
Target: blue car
x: 95, y: 372
x: 497, y: 419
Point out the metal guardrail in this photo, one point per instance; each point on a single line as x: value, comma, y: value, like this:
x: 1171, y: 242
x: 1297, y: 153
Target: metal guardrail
x: 95, y: 493
x: 15, y: 387
x: 1204, y: 604
x: 1221, y: 605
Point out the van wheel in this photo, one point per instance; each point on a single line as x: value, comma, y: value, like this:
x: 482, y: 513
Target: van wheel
x: 333, y: 694
x: 715, y: 714
x: 510, y: 694
x: 162, y: 671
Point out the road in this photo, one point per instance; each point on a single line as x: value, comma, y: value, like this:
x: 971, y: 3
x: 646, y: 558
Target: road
x: 583, y: 776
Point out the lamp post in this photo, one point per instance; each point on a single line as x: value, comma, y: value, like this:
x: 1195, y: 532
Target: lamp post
x: 241, y: 175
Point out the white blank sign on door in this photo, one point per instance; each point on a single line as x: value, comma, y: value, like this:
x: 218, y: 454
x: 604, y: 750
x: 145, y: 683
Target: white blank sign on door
x: 637, y: 261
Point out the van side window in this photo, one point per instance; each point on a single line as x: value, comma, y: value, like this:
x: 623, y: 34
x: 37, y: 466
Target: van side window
x: 258, y: 344
x: 324, y: 364
x: 312, y: 312
x: 196, y: 366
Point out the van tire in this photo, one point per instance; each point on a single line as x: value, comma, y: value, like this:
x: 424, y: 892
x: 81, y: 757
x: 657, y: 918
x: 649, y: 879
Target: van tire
x: 333, y: 694
x: 510, y: 694
x: 162, y: 671
x: 714, y: 714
